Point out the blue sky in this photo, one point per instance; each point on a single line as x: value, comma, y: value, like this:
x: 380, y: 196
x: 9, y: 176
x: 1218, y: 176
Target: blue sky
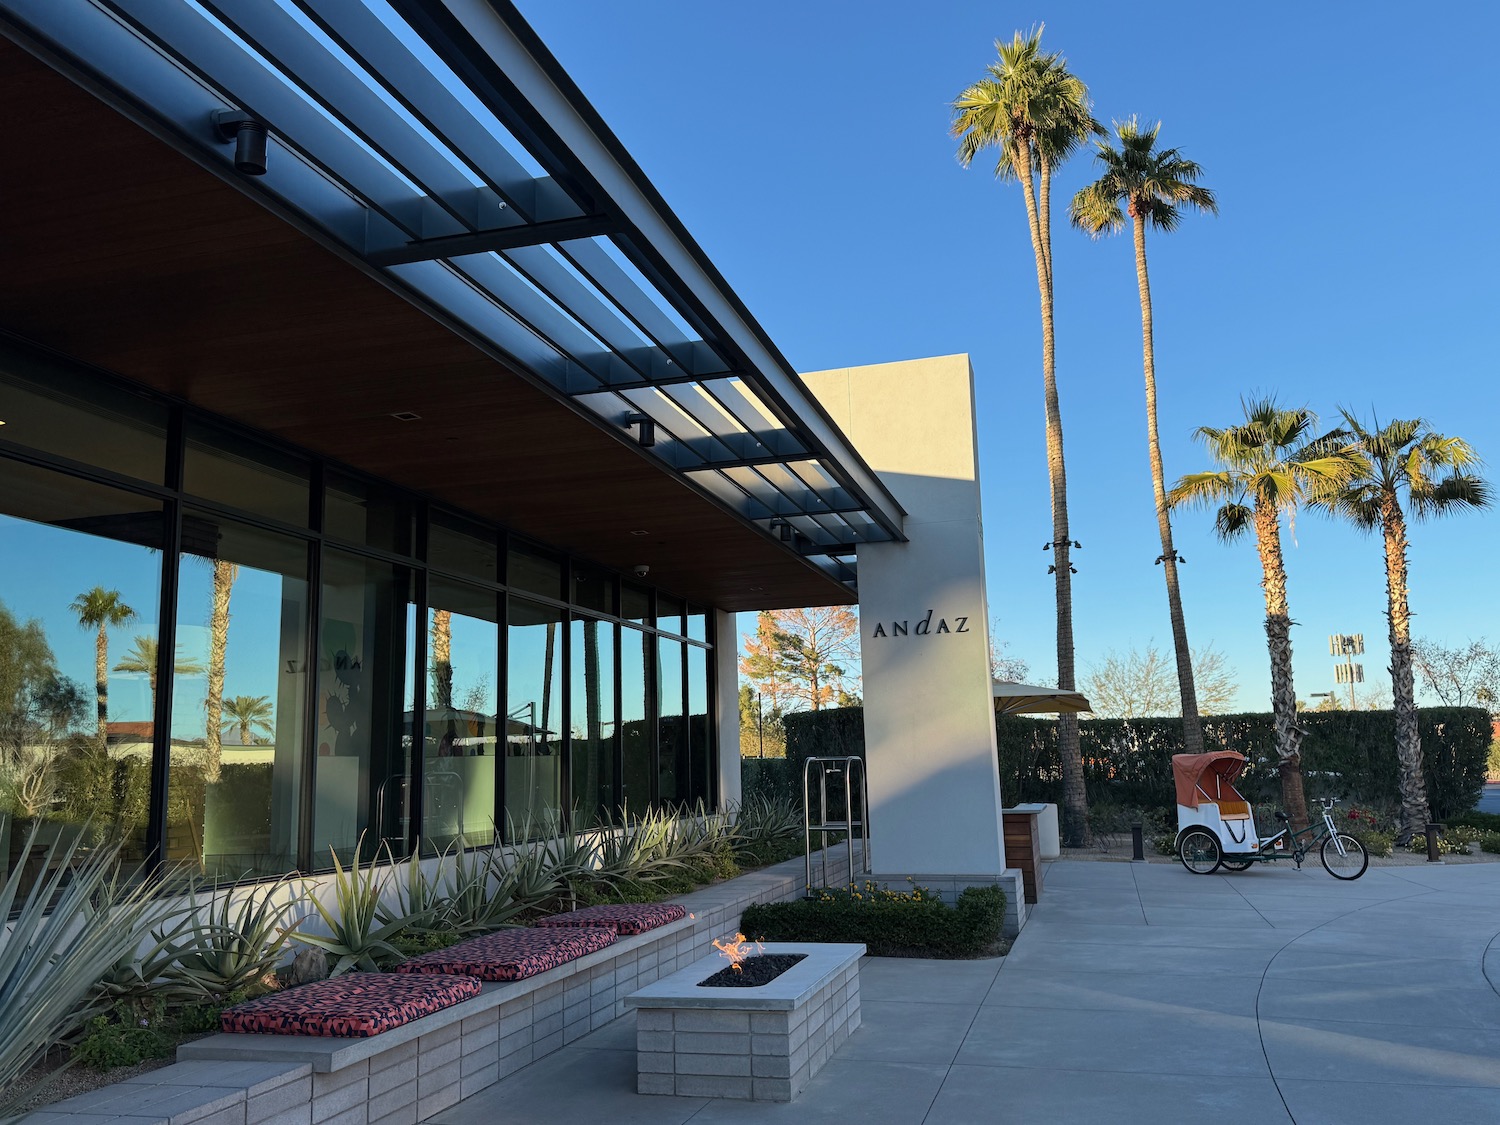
x: 805, y: 146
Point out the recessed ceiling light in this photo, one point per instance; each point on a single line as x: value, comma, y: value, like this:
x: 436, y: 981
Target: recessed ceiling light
x: 640, y: 532
x: 406, y: 416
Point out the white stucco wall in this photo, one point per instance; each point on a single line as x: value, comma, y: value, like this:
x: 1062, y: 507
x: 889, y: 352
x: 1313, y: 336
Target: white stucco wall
x: 924, y: 635
x: 726, y: 654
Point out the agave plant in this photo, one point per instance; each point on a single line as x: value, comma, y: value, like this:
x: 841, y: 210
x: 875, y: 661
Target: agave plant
x: 233, y: 944
x: 764, y: 820
x: 419, y: 898
x: 77, y: 920
x: 357, y: 938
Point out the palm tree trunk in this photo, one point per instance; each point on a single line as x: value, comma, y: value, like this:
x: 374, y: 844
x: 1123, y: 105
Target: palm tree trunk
x: 218, y: 644
x: 1414, y: 812
x: 1075, y: 810
x: 442, y: 659
x: 1279, y: 644
x: 101, y: 685
x: 1192, y: 727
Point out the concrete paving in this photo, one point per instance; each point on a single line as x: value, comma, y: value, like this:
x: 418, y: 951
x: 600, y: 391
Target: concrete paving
x: 1139, y: 993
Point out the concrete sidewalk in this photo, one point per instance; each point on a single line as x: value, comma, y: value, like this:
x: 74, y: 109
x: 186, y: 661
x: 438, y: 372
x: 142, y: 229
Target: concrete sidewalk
x: 1140, y: 993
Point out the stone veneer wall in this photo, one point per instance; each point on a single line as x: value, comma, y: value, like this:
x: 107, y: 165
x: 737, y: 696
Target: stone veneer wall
x: 413, y: 1072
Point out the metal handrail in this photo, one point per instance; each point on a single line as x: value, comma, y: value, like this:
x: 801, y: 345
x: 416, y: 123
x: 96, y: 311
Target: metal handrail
x: 849, y: 767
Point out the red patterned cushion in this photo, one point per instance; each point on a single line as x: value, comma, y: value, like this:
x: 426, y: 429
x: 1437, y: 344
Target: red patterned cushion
x: 627, y: 918
x: 511, y: 954
x: 354, y: 1006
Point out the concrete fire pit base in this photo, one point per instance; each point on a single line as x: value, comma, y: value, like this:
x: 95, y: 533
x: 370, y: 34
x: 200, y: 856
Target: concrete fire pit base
x: 757, y: 1044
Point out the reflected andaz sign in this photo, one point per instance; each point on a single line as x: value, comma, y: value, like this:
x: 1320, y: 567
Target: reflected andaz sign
x: 922, y: 628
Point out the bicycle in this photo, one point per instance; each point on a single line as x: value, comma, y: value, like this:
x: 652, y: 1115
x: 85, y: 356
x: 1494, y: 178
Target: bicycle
x: 1342, y: 855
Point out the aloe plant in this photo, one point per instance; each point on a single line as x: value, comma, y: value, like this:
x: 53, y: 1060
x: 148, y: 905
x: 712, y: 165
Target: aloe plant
x: 357, y: 937
x: 77, y: 920
x: 233, y: 944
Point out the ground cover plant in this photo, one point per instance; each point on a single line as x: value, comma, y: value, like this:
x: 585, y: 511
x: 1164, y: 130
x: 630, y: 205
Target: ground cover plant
x: 891, y: 923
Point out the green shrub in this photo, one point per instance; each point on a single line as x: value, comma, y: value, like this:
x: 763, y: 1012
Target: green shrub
x: 1377, y: 843
x: 889, y: 923
x: 1490, y: 842
x: 1484, y: 821
x: 112, y: 1041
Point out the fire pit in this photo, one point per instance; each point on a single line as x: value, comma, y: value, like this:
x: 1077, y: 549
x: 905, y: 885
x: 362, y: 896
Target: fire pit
x: 760, y: 1042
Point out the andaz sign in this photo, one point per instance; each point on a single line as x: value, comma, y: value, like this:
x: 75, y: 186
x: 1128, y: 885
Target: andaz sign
x: 922, y: 628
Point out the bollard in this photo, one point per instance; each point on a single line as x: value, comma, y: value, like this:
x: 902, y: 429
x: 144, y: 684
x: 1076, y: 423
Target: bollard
x: 1433, y: 831
x: 1137, y: 845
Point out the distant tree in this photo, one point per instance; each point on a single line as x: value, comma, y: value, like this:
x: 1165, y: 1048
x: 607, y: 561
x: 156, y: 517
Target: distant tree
x: 248, y: 714
x: 102, y: 610
x: 1436, y: 476
x: 1035, y: 114
x: 1004, y: 666
x: 1466, y: 675
x: 800, y: 657
x: 39, y: 708
x: 1142, y: 683
x: 141, y: 659
x: 761, y: 732
x: 1151, y: 185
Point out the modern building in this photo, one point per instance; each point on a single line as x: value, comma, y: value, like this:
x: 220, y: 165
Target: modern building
x: 376, y: 447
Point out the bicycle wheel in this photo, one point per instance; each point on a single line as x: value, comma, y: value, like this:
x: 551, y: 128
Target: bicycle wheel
x: 1199, y: 851
x: 1348, y: 864
x: 1229, y: 864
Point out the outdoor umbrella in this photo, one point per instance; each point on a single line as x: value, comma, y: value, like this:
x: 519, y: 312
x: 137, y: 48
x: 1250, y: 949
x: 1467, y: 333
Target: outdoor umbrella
x: 1012, y: 698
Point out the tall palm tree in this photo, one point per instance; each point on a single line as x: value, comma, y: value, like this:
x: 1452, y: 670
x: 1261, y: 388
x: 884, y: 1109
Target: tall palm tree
x: 102, y: 610
x: 142, y: 659
x: 1035, y: 114
x: 1270, y: 464
x: 225, y: 574
x: 248, y: 713
x: 1151, y: 185
x: 1435, y: 474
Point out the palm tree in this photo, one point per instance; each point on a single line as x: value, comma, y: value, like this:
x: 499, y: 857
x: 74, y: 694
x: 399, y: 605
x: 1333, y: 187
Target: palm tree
x: 249, y: 713
x: 1270, y: 465
x: 225, y: 574
x: 142, y: 658
x: 1035, y: 113
x: 1434, y: 471
x: 1152, y: 185
x: 103, y: 610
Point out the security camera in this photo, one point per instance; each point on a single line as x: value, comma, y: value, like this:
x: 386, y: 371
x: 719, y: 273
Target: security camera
x: 640, y: 570
x: 248, y: 137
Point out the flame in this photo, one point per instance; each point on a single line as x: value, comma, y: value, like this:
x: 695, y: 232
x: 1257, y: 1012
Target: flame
x: 737, y: 949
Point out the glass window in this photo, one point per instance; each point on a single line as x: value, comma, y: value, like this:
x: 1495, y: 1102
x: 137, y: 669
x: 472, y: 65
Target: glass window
x: 697, y: 622
x: 700, y: 733
x: 455, y: 544
x: 461, y: 732
x: 359, y: 512
x: 360, y: 764
x: 592, y: 741
x: 593, y: 588
x: 637, y: 733
x: 635, y: 604
x: 534, y: 720
x: 668, y: 613
x: 52, y: 409
x: 239, y: 698
x: 534, y: 571
x: 230, y: 469
x: 672, y: 772
x: 80, y: 582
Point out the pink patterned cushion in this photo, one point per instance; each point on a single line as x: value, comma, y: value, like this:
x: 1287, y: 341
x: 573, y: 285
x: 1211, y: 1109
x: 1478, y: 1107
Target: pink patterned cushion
x: 511, y: 954
x: 353, y: 1006
x: 627, y: 918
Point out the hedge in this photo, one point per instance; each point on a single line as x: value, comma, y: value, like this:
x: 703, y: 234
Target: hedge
x: 890, y: 925
x: 1128, y: 761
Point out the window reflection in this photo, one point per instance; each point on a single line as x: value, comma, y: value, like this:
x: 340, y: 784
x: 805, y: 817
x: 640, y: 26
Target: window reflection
x: 238, y: 700
x: 701, y: 753
x: 461, y: 732
x: 592, y: 741
x: 75, y: 730
x: 636, y: 730
x: 534, y: 720
x: 673, y: 774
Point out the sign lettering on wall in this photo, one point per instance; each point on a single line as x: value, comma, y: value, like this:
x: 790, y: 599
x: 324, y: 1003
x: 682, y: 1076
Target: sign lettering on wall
x: 923, y: 627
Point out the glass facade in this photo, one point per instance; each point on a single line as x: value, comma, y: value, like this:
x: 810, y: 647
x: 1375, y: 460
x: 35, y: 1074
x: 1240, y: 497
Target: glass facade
x: 312, y: 663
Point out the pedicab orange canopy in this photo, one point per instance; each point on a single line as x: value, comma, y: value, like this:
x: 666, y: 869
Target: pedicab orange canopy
x: 1207, y: 777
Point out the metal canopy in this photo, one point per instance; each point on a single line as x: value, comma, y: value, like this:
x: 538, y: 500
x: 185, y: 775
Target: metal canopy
x: 439, y: 144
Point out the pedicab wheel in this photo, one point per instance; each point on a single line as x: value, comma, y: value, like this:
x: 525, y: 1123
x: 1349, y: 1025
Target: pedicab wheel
x: 1351, y: 863
x: 1199, y: 851
x: 1235, y: 864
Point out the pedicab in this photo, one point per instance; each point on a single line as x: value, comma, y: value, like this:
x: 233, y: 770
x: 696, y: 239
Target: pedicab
x: 1216, y: 827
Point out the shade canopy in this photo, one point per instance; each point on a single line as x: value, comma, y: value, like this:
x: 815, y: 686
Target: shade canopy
x: 1012, y: 698
x: 1207, y: 777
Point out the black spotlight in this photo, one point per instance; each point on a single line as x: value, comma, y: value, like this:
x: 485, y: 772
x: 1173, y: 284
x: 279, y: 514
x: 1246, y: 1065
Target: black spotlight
x: 249, y: 137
